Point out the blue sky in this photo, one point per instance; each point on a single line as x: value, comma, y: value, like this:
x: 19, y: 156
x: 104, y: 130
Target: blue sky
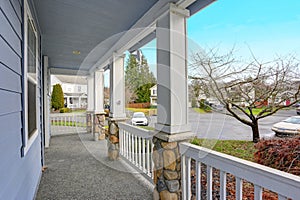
x: 268, y: 27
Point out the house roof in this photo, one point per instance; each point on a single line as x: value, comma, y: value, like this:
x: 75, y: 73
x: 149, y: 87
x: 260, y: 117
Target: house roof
x: 153, y: 87
x: 77, y: 34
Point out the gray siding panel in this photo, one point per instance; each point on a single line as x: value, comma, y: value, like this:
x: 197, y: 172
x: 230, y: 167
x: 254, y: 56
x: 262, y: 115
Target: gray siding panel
x: 20, y: 175
x: 8, y: 10
x: 12, y: 124
x: 23, y: 182
x: 9, y: 58
x: 12, y: 80
x: 8, y: 33
x: 17, y: 8
x: 9, y: 103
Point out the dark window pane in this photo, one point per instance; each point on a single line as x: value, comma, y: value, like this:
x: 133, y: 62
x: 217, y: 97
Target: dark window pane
x: 31, y: 108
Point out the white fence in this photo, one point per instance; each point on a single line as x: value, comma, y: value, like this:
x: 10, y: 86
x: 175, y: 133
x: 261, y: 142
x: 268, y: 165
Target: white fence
x: 64, y: 123
x: 284, y: 184
x: 136, y: 147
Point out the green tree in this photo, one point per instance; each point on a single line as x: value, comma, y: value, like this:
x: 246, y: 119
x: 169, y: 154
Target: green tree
x: 57, y: 97
x: 138, y: 79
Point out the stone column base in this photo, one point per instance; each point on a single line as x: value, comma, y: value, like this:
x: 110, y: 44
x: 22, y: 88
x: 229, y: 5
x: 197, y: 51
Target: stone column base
x: 99, y: 130
x: 113, y: 138
x: 89, y: 121
x: 167, y: 165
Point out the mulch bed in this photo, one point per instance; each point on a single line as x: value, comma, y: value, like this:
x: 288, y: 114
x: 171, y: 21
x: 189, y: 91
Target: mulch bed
x: 248, y: 188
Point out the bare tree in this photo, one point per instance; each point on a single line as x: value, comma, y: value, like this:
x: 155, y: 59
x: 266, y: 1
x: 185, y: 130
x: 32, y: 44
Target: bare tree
x: 244, y: 86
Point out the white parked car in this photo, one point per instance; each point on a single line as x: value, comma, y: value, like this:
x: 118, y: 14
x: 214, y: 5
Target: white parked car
x: 289, y: 126
x: 139, y: 118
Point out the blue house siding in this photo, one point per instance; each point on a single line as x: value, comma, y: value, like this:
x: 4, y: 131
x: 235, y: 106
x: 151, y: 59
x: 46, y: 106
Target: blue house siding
x: 19, y: 176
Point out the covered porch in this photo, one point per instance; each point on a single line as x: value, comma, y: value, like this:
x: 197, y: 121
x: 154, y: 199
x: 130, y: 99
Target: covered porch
x: 88, y: 39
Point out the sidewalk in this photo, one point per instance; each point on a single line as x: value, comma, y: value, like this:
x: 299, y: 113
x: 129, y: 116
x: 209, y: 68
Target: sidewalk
x: 78, y: 169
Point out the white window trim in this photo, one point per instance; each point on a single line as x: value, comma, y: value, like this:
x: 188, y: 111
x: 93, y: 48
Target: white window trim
x: 29, y: 141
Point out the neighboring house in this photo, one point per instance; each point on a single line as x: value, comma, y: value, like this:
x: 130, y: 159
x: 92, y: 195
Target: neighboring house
x: 153, y: 95
x: 138, y: 56
x: 74, y: 88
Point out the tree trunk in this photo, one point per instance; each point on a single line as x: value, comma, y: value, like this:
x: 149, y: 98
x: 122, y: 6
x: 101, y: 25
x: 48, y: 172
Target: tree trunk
x: 255, y: 131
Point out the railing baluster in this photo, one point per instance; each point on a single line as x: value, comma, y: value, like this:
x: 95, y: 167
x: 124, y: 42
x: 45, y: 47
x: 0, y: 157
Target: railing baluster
x: 121, y: 140
x: 209, y: 182
x: 129, y: 146
x: 222, y: 185
x: 140, y: 153
x: 144, y: 154
x: 188, y: 166
x: 183, y: 178
x: 125, y: 145
x: 132, y: 148
x: 198, y: 180
x: 136, y: 150
x: 239, y: 188
x: 257, y: 192
x: 152, y: 163
x: 148, y: 157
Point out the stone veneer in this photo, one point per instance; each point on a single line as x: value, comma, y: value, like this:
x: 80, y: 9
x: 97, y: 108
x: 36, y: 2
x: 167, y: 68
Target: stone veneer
x: 167, y: 170
x: 113, y: 138
x: 89, y: 121
x: 98, y: 128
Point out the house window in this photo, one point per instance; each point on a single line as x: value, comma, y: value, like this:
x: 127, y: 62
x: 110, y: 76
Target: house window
x: 30, y: 83
x: 79, y: 88
x: 154, y: 92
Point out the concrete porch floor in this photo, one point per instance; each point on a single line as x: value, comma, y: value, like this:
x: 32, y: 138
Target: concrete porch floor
x: 78, y: 168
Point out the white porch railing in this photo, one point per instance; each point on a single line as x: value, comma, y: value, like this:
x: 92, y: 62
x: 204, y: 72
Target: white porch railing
x: 284, y: 184
x: 63, y: 123
x: 136, y: 147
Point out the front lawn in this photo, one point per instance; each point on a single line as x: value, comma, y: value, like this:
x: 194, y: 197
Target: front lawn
x: 67, y: 123
x: 199, y: 110
x: 241, y: 149
x: 255, y: 111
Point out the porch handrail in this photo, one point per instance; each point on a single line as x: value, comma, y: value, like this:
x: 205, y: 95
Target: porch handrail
x: 285, y: 184
x: 68, y: 119
x: 137, y: 148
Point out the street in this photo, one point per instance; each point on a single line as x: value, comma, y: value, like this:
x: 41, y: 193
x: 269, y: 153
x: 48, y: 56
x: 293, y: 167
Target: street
x: 220, y: 126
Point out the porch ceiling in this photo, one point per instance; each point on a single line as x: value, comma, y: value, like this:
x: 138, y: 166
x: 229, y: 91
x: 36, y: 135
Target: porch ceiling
x: 70, y: 25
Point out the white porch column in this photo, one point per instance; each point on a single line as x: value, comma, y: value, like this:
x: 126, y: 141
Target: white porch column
x: 172, y: 102
x: 47, y: 97
x: 99, y: 114
x: 90, y: 104
x: 90, y: 94
x: 172, y: 88
x: 79, y: 102
x: 117, y: 87
x: 117, y: 105
x: 68, y: 101
x: 99, y: 91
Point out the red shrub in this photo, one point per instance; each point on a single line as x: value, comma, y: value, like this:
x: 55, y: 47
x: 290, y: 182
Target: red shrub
x: 282, y: 154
